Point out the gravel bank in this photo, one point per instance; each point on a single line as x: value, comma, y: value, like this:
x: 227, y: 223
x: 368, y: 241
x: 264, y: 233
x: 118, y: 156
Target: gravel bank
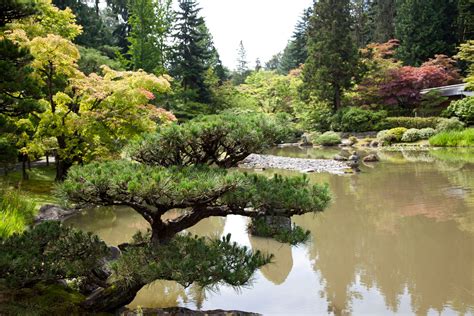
x: 255, y: 161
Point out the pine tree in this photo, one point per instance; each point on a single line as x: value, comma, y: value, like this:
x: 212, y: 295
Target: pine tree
x: 296, y: 51
x: 192, y: 52
x: 258, y: 64
x: 332, y: 55
x: 242, y: 70
x: 425, y: 28
x: 382, y: 20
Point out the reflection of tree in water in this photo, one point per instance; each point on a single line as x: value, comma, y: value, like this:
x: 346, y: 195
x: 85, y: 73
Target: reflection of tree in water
x: 159, y: 294
x: 210, y: 227
x: 282, y: 263
x: 396, y: 231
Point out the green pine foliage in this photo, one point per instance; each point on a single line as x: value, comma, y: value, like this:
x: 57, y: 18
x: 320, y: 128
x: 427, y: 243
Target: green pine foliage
x: 47, y: 253
x: 223, y: 139
x: 189, y: 259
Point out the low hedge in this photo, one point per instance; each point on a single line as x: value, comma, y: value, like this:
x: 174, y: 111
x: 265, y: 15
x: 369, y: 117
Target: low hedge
x: 411, y: 122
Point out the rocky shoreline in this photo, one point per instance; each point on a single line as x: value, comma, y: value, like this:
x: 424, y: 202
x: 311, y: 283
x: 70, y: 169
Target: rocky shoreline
x: 255, y: 161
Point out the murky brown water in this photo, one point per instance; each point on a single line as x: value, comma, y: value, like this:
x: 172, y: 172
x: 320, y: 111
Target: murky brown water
x: 397, y: 239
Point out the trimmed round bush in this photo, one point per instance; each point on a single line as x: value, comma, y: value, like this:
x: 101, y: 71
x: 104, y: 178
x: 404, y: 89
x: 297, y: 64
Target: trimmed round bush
x: 328, y: 139
x: 411, y: 135
x: 451, y: 124
x: 414, y: 134
x: 394, y: 135
x: 426, y: 133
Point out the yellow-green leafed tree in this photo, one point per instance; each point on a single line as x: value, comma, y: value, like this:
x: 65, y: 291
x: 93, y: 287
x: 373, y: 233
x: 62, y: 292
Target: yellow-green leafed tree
x: 48, y: 20
x: 466, y: 54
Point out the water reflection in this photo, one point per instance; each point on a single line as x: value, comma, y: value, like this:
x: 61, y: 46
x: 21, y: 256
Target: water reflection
x: 277, y: 271
x: 398, y: 238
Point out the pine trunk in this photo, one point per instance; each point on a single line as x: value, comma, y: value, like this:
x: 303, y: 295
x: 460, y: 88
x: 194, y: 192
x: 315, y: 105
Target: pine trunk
x: 112, y: 298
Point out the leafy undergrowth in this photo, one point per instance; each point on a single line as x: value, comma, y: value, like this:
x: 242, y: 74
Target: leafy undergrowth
x: 40, y: 300
x: 38, y: 188
x: 294, y: 235
x: 463, y: 138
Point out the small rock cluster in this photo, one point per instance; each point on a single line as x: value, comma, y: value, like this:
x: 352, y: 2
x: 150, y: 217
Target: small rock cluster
x: 255, y: 161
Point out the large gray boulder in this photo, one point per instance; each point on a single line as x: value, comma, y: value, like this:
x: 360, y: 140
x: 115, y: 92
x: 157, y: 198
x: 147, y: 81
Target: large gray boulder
x: 51, y: 212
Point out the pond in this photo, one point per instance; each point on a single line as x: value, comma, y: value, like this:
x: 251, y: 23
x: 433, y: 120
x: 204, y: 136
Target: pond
x: 398, y: 238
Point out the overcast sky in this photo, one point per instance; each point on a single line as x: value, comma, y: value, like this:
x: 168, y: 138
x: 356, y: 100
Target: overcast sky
x: 264, y: 26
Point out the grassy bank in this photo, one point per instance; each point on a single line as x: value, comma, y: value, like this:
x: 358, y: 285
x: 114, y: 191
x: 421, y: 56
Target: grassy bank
x: 38, y: 188
x: 463, y: 138
x: 16, y: 213
x: 21, y: 199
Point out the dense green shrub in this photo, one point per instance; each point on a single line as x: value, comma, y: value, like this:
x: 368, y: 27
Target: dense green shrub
x: 49, y: 252
x: 16, y: 213
x: 413, y: 134
x: 394, y: 135
x: 411, y: 122
x: 463, y: 138
x: 352, y: 119
x: 462, y: 109
x: 451, y: 124
x: 328, y: 139
x: 315, y: 116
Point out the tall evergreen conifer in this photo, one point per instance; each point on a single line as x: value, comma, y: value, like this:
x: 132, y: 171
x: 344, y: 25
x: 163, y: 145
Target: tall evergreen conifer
x: 332, y: 55
x: 382, y: 20
x: 191, y: 52
x: 425, y: 28
x: 296, y: 51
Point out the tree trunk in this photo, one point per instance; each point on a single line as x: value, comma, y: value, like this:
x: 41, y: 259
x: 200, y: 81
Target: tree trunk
x: 337, y: 98
x: 112, y: 298
x: 62, y: 167
x: 160, y: 235
x: 23, y: 168
x: 47, y: 160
